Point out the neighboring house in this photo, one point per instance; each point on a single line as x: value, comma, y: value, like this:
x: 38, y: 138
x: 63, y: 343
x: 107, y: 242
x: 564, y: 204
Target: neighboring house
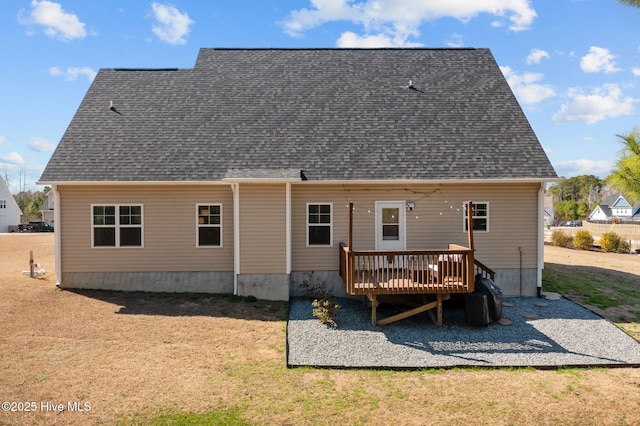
x: 9, y: 211
x: 48, y: 208
x: 615, y: 207
x: 549, y: 213
x: 236, y: 175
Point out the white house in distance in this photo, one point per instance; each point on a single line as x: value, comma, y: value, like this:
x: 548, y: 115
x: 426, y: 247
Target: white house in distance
x: 48, y: 208
x: 9, y: 211
x: 615, y: 206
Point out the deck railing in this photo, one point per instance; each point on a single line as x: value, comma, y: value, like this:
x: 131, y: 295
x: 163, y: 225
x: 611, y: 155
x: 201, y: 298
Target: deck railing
x: 410, y: 271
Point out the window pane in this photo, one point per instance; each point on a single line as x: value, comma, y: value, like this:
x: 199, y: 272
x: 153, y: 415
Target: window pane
x: 480, y: 210
x: 104, y: 237
x: 325, y: 208
x: 319, y: 235
x: 314, y: 208
x: 209, y: 236
x: 390, y: 215
x: 390, y: 232
x: 479, y: 224
x: 130, y: 237
x: 104, y: 215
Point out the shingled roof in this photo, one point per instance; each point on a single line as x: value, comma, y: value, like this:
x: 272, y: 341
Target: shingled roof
x: 335, y: 114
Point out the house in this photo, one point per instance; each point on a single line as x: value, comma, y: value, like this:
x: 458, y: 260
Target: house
x: 237, y: 175
x: 9, y: 210
x: 48, y: 207
x: 615, y: 207
x: 549, y: 212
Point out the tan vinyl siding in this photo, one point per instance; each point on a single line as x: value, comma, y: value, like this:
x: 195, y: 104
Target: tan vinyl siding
x: 436, y: 220
x: 263, y: 229
x: 169, y: 226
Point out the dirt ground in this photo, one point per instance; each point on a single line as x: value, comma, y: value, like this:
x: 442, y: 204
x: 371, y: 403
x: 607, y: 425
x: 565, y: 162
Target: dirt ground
x: 105, y: 356
x: 615, y: 262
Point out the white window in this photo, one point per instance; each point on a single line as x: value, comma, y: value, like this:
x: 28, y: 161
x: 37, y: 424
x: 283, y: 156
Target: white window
x: 116, y: 225
x: 480, y: 217
x: 319, y: 224
x: 3, y: 204
x: 209, y: 225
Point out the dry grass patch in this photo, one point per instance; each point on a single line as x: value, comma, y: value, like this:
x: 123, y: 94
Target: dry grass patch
x: 164, y: 359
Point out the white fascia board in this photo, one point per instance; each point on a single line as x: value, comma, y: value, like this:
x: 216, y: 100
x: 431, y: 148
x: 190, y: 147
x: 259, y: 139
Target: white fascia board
x: 261, y: 180
x: 132, y: 183
x: 425, y: 181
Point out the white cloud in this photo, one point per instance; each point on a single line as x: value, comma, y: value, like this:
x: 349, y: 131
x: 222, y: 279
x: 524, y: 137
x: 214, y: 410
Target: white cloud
x: 456, y: 40
x: 536, y: 56
x: 3, y: 141
x: 56, y: 22
x: 12, y: 158
x: 73, y: 73
x: 41, y: 145
x: 349, y: 39
x: 171, y: 25
x: 526, y: 86
x: 598, y: 59
x: 403, y: 17
x: 603, y: 102
x: 572, y: 168
x: 636, y: 72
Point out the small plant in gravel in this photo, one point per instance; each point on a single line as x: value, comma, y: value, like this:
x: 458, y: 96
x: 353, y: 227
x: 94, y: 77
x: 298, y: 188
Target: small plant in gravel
x: 583, y: 240
x: 325, y: 310
x: 324, y: 306
x: 560, y: 239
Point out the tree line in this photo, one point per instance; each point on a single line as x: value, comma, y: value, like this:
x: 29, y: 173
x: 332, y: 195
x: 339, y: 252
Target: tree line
x: 30, y: 201
x: 574, y: 198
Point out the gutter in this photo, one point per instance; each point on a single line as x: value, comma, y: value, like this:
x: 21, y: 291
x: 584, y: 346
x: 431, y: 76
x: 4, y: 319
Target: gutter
x: 235, y: 188
x: 540, y: 238
x: 57, y: 234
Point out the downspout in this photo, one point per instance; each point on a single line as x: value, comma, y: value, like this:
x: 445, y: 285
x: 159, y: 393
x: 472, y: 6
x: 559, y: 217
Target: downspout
x: 288, y: 227
x: 540, y: 237
x: 57, y: 237
x: 235, y: 188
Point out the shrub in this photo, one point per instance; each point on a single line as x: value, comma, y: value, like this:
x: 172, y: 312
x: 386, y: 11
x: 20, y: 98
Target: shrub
x: 613, y: 243
x: 624, y: 247
x: 324, y: 306
x: 610, y: 241
x: 325, y: 310
x: 583, y: 240
x: 560, y: 239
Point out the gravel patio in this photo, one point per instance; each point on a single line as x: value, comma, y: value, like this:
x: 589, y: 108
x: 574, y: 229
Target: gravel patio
x: 548, y: 332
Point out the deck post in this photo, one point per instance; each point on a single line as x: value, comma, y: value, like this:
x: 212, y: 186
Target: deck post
x: 470, y: 223
x: 471, y: 257
x: 374, y: 304
x: 350, y: 226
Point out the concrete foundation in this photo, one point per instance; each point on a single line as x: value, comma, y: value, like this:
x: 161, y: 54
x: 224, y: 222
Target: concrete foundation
x: 170, y: 282
x: 264, y: 286
x: 509, y: 281
x: 330, y: 279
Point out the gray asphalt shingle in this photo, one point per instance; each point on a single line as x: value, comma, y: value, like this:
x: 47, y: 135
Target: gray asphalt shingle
x: 337, y: 114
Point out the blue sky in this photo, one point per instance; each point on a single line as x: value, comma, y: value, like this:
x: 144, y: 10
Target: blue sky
x: 574, y: 65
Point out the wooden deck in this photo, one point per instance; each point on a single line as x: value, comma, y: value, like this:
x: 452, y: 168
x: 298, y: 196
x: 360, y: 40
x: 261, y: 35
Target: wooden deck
x: 408, y: 272
x: 411, y: 272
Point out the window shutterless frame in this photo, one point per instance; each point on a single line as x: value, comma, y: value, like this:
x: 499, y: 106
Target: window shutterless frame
x: 319, y: 224
x: 117, y: 225
x: 480, y: 216
x: 209, y: 225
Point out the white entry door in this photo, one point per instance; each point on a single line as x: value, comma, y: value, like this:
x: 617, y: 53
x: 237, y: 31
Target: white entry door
x: 390, y: 230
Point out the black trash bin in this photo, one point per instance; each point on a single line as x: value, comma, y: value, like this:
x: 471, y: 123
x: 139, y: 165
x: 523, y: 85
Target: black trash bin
x: 484, y: 305
x: 476, y: 309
